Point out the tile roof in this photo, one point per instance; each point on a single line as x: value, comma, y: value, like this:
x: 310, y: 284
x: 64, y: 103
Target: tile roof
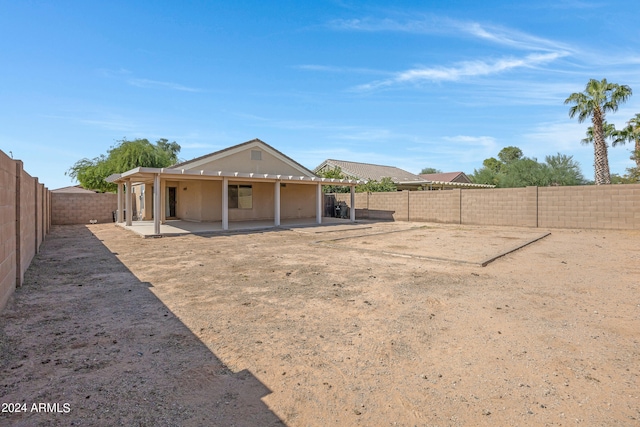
x: 370, y: 171
x: 73, y: 189
x: 446, y: 177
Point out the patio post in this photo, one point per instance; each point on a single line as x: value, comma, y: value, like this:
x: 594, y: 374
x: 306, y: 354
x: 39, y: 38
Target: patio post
x: 156, y: 204
x: 276, y: 204
x: 119, y: 213
x: 352, y: 211
x: 127, y: 203
x: 319, y: 203
x: 225, y: 203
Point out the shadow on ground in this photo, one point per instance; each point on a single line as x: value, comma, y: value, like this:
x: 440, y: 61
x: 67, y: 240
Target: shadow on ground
x: 85, y: 332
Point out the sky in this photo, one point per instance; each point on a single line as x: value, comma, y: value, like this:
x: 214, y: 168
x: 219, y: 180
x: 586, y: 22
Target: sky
x: 412, y: 84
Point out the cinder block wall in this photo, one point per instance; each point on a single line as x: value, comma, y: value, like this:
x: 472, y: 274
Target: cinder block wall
x: 500, y: 206
x: 7, y: 227
x: 589, y: 207
x: 24, y: 222
x: 604, y: 206
x: 79, y: 208
x: 435, y: 206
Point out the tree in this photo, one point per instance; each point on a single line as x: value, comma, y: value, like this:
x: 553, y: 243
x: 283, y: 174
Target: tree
x: 514, y: 170
x: 563, y: 170
x: 335, y: 173
x: 426, y: 171
x: 631, y: 133
x: 373, y: 186
x: 510, y: 154
x: 123, y: 156
x: 598, y: 98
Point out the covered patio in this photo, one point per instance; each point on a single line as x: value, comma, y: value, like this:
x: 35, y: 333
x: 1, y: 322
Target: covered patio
x: 160, y: 225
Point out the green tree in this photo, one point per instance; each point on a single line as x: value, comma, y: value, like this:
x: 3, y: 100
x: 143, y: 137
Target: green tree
x: 598, y: 98
x: 631, y: 133
x: 335, y: 173
x: 373, y: 186
x: 426, y: 171
x: 524, y: 172
x: 125, y: 155
x: 563, y: 170
x: 510, y: 154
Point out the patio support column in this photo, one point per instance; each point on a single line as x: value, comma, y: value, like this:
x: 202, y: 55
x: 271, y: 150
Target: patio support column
x: 119, y: 213
x: 163, y: 202
x: 127, y: 203
x: 156, y: 204
x: 352, y: 211
x: 276, y: 204
x: 319, y: 203
x: 225, y: 203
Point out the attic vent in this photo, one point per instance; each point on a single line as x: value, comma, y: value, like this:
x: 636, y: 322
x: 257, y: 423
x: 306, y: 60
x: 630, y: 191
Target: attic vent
x: 256, y: 155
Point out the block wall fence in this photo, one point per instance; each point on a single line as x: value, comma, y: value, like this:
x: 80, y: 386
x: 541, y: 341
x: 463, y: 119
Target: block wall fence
x: 588, y: 206
x: 25, y: 220
x: 81, y: 208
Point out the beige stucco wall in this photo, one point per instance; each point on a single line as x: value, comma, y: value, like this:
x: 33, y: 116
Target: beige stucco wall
x: 202, y: 201
x: 297, y: 201
x: 241, y: 162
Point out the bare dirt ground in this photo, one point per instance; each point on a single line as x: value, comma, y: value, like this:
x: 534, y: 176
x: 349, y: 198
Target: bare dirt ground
x: 362, y: 326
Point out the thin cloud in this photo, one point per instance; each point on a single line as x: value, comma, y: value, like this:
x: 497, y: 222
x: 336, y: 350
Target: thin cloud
x: 446, y: 26
x: 462, y: 70
x: 146, y: 83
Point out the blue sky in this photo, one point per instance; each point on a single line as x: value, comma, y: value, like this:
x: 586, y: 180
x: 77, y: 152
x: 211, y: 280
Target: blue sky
x: 412, y: 84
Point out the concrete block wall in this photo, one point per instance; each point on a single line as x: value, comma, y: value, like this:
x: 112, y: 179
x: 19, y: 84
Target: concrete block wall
x: 24, y: 222
x: 500, y: 206
x: 435, y: 206
x: 603, y: 207
x: 7, y: 227
x: 81, y: 208
x: 589, y: 207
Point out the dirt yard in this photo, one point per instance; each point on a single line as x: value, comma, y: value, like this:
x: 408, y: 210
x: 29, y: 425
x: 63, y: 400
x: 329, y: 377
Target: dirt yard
x: 373, y: 325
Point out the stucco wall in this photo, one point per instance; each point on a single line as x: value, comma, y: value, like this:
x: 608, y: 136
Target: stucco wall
x: 297, y: 201
x: 24, y: 222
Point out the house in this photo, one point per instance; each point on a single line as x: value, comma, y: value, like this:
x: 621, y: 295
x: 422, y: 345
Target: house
x: 74, y: 189
x: 248, y: 181
x: 446, y: 177
x: 366, y: 171
x: 448, y: 180
x: 401, y: 178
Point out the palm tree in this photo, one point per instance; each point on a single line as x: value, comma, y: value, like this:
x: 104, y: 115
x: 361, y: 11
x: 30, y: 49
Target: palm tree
x: 631, y: 133
x: 598, y: 98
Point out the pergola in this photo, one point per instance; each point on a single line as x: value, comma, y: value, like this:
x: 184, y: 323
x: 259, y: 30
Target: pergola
x: 159, y: 176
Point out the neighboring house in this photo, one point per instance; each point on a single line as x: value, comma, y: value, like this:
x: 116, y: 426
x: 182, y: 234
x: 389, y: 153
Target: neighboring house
x: 75, y: 189
x: 366, y: 171
x: 404, y: 180
x: 447, y: 177
x: 447, y: 180
x: 249, y: 181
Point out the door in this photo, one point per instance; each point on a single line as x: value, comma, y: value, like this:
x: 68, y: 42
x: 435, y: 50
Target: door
x: 171, y: 202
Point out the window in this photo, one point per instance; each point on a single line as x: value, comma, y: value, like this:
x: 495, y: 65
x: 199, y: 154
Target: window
x: 240, y: 197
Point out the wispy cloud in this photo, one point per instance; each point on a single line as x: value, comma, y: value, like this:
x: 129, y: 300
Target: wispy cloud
x: 430, y: 24
x: 463, y: 70
x: 146, y: 83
